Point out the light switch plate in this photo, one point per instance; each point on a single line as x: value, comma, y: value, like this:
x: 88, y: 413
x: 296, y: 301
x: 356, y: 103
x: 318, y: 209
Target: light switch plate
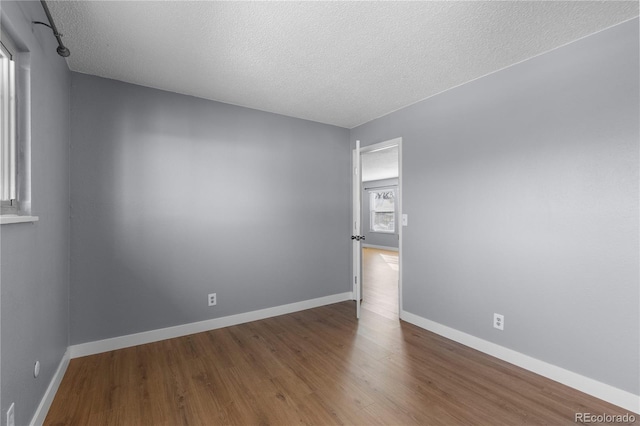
x: 405, y: 220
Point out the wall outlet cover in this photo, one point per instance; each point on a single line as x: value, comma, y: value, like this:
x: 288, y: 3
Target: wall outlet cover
x: 498, y: 321
x: 212, y: 299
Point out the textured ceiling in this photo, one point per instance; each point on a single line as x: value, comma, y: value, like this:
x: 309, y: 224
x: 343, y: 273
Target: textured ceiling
x: 343, y: 63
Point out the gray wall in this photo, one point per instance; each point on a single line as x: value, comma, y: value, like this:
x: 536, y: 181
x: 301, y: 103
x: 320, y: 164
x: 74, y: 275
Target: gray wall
x: 378, y: 238
x: 522, y: 194
x: 174, y: 197
x: 35, y: 257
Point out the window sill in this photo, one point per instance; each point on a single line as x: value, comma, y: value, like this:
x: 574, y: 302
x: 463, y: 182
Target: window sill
x: 12, y: 218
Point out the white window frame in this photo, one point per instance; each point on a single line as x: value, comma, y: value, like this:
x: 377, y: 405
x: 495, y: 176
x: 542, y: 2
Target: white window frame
x: 373, y: 211
x: 15, y: 177
x: 8, y: 147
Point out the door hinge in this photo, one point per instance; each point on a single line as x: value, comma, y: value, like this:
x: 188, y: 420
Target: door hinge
x: 355, y: 280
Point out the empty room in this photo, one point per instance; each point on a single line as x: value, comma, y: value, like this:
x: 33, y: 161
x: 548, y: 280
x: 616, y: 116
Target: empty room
x: 322, y: 212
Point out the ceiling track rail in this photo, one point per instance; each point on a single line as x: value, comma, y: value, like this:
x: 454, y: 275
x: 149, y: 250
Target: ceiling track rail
x: 62, y: 49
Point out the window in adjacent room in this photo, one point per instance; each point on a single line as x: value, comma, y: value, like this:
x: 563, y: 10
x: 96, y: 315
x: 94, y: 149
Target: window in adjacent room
x: 8, y: 148
x: 382, y: 210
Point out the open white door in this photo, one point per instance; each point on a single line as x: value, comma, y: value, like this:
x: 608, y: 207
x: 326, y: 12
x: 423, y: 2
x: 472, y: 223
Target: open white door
x: 355, y: 232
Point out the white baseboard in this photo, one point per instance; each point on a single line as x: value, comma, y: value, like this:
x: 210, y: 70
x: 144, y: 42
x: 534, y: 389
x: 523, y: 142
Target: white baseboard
x: 600, y: 390
x: 47, y: 399
x: 374, y: 246
x: 99, y: 346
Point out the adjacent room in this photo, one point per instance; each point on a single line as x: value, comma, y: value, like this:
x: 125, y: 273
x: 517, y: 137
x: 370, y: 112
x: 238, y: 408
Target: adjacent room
x: 230, y: 212
x: 380, y: 227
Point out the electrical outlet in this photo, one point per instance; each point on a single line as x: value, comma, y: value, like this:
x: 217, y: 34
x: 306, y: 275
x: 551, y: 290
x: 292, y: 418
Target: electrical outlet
x: 11, y: 420
x: 498, y: 321
x: 212, y: 299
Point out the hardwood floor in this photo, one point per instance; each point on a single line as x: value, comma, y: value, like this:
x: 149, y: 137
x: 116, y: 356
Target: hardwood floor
x: 380, y: 281
x: 316, y: 367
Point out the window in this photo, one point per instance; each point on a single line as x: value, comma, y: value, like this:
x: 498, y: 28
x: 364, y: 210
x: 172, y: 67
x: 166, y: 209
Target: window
x: 8, y: 148
x: 382, y: 210
x: 15, y: 143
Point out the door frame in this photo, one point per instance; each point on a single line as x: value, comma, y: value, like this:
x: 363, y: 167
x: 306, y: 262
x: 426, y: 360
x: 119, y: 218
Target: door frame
x: 399, y: 220
x: 356, y: 218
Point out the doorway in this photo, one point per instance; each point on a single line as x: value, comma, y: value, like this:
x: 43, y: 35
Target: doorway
x: 381, y: 228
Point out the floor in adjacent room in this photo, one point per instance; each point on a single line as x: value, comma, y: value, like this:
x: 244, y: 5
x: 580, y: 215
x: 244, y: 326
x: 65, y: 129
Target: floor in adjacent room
x: 319, y: 366
x: 380, y: 281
